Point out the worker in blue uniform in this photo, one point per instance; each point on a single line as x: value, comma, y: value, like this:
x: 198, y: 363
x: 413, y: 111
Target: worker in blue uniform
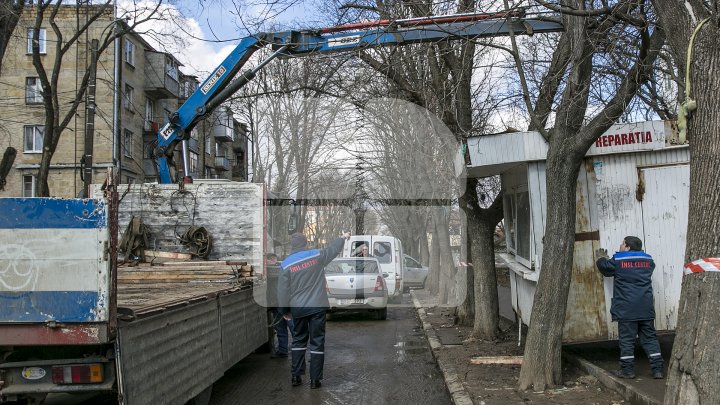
x: 302, y: 297
x: 632, y: 304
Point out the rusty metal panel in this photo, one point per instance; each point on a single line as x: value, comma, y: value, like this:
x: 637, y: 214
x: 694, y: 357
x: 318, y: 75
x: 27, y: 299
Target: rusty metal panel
x: 22, y: 334
x: 665, y: 216
x: 244, y: 326
x: 171, y: 357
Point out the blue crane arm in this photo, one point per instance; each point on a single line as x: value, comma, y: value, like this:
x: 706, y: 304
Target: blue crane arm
x: 219, y: 86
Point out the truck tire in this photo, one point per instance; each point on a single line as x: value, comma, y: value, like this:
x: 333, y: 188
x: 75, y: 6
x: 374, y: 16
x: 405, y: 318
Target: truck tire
x: 381, y: 314
x: 203, y: 398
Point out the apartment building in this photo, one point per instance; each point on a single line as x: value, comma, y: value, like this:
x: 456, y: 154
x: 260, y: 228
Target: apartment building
x: 151, y: 87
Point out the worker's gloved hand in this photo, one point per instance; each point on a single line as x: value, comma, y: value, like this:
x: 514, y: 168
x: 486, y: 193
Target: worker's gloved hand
x: 602, y: 253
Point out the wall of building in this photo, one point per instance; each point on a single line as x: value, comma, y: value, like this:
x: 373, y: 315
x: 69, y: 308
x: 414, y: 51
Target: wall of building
x: 64, y: 177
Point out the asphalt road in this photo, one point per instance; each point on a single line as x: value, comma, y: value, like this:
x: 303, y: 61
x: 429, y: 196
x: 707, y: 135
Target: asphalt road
x: 367, y: 361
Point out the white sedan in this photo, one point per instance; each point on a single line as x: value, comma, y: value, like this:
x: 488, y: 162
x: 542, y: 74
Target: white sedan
x: 355, y: 283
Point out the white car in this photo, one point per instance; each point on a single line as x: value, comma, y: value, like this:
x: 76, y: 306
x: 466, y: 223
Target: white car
x: 356, y: 283
x: 414, y: 273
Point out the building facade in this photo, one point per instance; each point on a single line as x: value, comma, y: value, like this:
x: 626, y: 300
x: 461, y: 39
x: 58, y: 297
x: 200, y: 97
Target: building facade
x: 151, y: 87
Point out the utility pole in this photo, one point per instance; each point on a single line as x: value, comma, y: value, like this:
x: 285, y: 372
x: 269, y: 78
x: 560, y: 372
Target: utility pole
x: 90, y: 120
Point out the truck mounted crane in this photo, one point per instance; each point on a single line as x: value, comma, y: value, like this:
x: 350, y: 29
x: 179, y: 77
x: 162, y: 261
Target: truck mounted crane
x: 222, y: 84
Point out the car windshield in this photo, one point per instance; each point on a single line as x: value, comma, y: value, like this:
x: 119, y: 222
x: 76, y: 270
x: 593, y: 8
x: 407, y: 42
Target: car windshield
x: 352, y: 267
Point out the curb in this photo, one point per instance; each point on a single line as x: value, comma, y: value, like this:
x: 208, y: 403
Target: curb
x: 609, y: 381
x: 458, y: 393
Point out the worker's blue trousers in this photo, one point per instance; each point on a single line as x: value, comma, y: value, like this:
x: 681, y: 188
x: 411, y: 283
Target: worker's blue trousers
x: 648, y: 340
x: 309, y: 333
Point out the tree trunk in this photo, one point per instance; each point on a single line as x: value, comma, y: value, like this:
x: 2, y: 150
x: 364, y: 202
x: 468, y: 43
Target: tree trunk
x: 692, y: 375
x: 433, y: 280
x: 486, y: 306
x: 542, y: 359
x: 446, y: 268
x: 465, y: 311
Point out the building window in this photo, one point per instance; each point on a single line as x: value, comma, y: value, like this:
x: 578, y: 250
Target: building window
x: 128, y: 143
x: 518, y: 227
x: 42, y: 40
x: 193, y: 163
x: 129, y: 53
x: 149, y: 113
x: 171, y: 68
x: 33, y: 91
x: 28, y: 186
x: 34, y: 138
x: 128, y: 96
x: 208, y: 144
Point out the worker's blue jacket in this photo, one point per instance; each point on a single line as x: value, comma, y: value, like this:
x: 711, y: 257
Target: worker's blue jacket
x: 301, y: 285
x: 632, y: 292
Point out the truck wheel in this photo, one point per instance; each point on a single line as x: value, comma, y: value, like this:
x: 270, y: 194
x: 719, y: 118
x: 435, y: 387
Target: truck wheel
x: 381, y: 314
x: 203, y: 398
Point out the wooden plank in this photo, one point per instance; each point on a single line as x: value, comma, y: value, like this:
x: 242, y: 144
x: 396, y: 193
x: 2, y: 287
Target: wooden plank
x: 183, y: 269
x: 197, y: 263
x: 497, y: 360
x: 168, y: 255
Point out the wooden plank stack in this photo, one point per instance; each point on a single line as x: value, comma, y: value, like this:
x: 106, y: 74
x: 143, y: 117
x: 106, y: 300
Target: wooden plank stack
x: 179, y: 268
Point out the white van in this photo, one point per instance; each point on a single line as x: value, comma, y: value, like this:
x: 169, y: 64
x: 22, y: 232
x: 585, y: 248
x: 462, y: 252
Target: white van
x: 388, y: 251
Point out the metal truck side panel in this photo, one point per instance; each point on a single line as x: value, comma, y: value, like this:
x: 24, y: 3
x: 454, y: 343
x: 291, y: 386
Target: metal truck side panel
x: 53, y: 266
x: 171, y: 357
x: 244, y: 326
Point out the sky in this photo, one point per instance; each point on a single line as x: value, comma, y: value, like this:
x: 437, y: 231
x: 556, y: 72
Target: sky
x: 209, y: 29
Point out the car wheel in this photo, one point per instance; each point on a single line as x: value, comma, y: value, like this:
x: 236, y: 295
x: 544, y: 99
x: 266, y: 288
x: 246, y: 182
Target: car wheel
x: 381, y: 314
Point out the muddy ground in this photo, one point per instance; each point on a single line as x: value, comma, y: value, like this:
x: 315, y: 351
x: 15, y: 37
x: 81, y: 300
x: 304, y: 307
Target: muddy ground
x: 498, y: 384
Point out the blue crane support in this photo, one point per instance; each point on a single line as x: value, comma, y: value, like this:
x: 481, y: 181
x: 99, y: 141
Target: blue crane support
x: 220, y: 86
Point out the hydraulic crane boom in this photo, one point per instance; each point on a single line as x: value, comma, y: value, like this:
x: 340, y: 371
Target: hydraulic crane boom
x: 220, y: 86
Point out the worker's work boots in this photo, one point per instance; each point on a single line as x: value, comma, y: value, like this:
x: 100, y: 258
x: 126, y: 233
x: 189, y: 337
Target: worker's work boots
x: 624, y: 374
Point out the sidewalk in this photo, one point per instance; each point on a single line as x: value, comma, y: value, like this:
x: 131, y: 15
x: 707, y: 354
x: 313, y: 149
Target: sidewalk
x: 586, y: 370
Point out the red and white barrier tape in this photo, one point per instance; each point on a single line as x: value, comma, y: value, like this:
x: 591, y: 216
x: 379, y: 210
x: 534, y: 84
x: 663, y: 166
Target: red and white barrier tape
x: 702, y: 265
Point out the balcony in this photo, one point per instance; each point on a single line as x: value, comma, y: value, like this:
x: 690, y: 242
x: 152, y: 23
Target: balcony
x: 223, y: 129
x: 161, y: 75
x: 222, y: 163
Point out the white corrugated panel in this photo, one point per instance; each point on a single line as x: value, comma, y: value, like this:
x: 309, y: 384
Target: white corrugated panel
x: 665, y: 216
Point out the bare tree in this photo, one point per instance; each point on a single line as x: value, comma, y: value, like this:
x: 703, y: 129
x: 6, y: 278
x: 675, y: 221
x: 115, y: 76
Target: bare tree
x: 693, y: 29
x: 298, y: 127
x: 589, y: 32
x: 10, y: 11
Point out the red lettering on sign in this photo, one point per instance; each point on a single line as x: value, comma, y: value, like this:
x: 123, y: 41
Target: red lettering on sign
x: 629, y: 138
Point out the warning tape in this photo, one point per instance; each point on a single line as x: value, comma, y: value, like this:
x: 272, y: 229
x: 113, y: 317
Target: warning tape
x: 702, y: 265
